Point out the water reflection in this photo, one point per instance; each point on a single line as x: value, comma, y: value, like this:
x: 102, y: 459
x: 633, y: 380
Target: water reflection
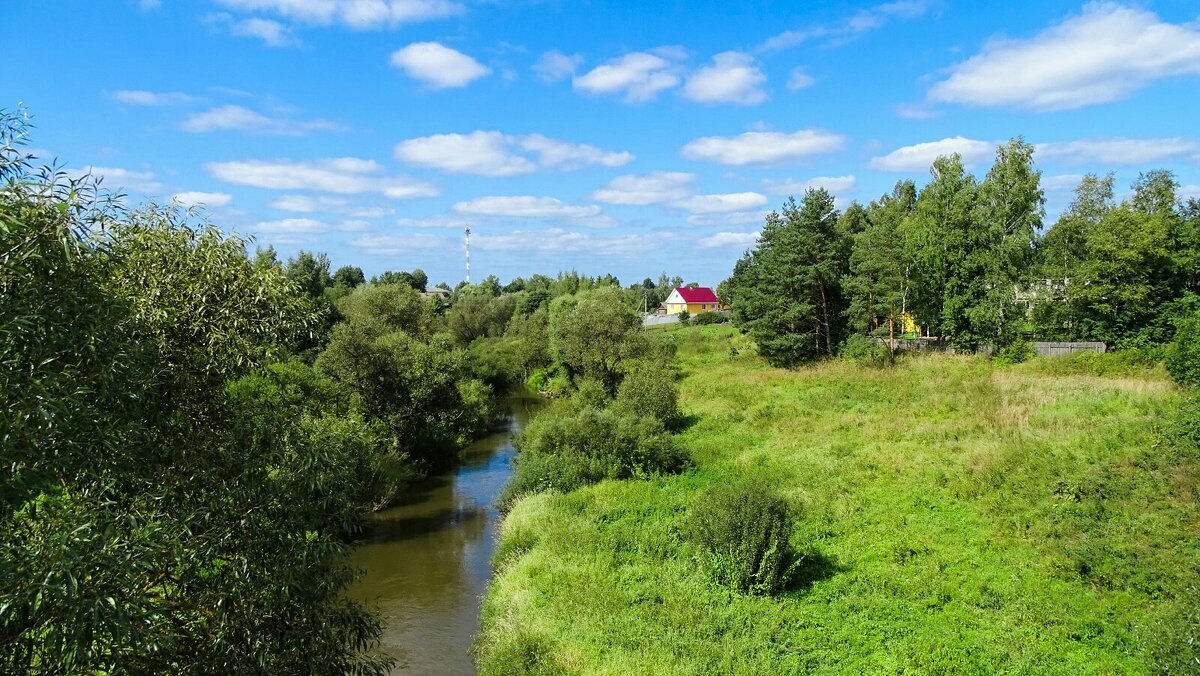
x: 428, y: 560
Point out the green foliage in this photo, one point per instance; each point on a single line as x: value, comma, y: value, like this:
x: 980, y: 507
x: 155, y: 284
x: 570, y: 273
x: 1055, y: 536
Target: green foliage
x: 1016, y: 352
x: 684, y: 316
x: 709, y: 318
x: 384, y: 308
x: 565, y: 451
x: 592, y: 333
x: 787, y: 290
x: 478, y: 314
x: 1183, y: 357
x: 744, y: 528
x: 649, y: 390
x: 864, y: 350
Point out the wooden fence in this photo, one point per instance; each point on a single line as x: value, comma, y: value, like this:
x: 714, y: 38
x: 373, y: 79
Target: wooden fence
x: 1059, y: 349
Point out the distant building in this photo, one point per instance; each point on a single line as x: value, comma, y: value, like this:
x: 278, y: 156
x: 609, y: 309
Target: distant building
x: 436, y: 292
x: 693, y: 300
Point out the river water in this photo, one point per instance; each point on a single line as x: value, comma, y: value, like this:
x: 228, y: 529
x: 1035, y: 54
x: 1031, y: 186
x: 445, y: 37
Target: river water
x: 428, y: 560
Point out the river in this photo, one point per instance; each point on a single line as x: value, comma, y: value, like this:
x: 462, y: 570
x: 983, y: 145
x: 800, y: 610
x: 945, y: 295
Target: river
x: 428, y: 560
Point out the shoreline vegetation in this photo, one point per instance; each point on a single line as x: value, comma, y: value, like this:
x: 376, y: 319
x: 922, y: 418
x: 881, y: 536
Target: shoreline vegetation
x: 952, y: 515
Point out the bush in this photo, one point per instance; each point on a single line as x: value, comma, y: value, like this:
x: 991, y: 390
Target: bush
x: 650, y: 390
x: 566, y: 451
x: 1183, y: 357
x: 684, y: 317
x: 711, y: 318
x: 1129, y: 363
x: 1015, y: 353
x: 744, y: 529
x: 864, y: 350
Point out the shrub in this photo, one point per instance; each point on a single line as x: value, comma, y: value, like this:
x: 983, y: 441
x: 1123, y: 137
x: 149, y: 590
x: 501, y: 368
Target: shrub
x: 590, y: 393
x: 864, y: 350
x: 744, y: 530
x: 684, y: 317
x: 564, y: 451
x: 650, y: 390
x: 711, y: 318
x: 1183, y: 357
x: 1015, y: 353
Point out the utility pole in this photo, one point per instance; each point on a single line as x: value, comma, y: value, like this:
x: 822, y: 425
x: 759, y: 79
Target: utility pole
x: 468, y: 231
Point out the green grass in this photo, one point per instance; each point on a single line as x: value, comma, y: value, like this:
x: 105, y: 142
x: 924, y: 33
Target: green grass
x: 956, y: 518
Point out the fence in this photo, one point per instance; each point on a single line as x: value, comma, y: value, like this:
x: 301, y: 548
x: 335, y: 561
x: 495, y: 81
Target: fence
x: 659, y: 320
x: 1059, y: 349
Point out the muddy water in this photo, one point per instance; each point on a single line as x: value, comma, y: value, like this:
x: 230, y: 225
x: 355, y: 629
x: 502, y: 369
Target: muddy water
x: 428, y: 560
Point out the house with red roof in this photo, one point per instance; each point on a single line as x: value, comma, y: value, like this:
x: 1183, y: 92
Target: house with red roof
x: 693, y: 300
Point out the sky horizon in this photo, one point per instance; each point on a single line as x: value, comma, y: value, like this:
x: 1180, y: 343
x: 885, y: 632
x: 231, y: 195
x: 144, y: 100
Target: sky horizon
x: 606, y: 138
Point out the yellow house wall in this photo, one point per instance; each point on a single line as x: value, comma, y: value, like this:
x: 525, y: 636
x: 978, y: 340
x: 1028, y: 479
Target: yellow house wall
x: 692, y: 308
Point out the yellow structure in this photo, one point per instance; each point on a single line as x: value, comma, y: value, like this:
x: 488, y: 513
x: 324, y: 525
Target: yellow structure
x: 693, y: 300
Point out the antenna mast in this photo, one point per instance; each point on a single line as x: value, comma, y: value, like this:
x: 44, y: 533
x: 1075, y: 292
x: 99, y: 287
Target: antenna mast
x: 468, y: 232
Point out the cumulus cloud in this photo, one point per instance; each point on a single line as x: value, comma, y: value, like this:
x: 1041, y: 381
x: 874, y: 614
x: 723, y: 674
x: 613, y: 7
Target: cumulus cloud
x: 141, y: 97
x: 1121, y: 151
x: 1101, y: 55
x: 713, y: 204
x: 272, y: 33
x: 394, y: 245
x: 861, y: 22
x: 638, y: 76
x: 790, y: 186
x: 360, y: 14
x: 306, y: 204
x: 660, y: 187
x: 237, y: 118
x: 721, y: 239
x: 491, y: 153
x: 526, y: 206
x: 207, y: 199
x: 733, y: 77
x: 553, y: 66
x: 918, y: 157
x: 118, y: 179
x: 437, y: 65
x: 345, y: 175
x: 291, y: 226
x: 436, y: 221
x: 764, y: 147
x: 559, y: 240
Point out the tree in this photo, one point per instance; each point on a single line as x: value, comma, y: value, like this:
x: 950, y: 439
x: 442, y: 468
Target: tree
x: 788, y: 294
x: 349, y: 276
x: 879, y: 281
x: 592, y: 332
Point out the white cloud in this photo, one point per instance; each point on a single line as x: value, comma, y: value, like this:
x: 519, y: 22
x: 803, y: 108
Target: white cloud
x: 237, y: 118
x: 553, y: 66
x: 272, y: 33
x: 742, y: 239
x: 306, y: 204
x: 558, y: 240
x: 436, y: 221
x: 208, y: 199
x: 659, y: 187
x: 115, y: 178
x: 1061, y: 182
x: 354, y: 225
x: 360, y: 14
x: 714, y: 204
x: 790, y: 186
x: 148, y: 5
x: 141, y: 97
x: 346, y: 175
x: 639, y: 76
x: 764, y: 147
x: 438, y: 66
x: 291, y: 226
x: 1121, y: 151
x: 1101, y: 55
x: 862, y: 21
x: 1190, y: 191
x: 526, y: 206
x: 491, y: 153
x: 919, y: 157
x: 916, y: 111
x: 799, y: 80
x: 732, y: 78
x: 394, y: 245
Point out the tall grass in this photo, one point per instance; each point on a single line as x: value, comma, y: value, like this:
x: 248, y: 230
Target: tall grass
x: 957, y: 517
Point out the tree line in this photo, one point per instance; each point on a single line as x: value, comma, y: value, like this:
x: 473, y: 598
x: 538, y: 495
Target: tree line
x: 971, y: 263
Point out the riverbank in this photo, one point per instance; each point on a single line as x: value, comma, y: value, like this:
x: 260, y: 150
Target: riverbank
x: 427, y: 560
x: 955, y: 516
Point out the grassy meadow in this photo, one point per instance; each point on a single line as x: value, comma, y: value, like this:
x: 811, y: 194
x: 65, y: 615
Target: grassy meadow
x: 955, y: 517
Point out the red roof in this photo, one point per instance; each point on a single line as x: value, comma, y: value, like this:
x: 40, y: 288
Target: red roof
x: 700, y: 294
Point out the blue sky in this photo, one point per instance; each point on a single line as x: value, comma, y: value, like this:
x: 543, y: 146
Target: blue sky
x: 625, y: 137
